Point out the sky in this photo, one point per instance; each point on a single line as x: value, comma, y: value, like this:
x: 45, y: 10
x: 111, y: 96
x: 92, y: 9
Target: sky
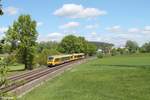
x: 113, y: 21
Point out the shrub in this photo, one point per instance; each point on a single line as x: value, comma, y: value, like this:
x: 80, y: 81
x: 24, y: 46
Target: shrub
x: 100, y: 55
x: 11, y: 59
x: 114, y: 52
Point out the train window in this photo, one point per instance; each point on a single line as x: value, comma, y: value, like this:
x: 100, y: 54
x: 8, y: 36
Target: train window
x: 50, y: 58
x: 64, y: 58
x: 67, y: 58
x: 57, y: 59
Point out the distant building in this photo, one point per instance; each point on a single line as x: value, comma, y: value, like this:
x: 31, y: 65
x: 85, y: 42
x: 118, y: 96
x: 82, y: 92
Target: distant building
x: 99, y: 50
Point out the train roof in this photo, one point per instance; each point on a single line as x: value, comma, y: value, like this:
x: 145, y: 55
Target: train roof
x: 67, y: 55
x: 78, y: 54
x: 59, y: 56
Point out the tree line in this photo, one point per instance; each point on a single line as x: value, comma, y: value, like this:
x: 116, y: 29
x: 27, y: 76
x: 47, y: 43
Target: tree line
x: 131, y: 47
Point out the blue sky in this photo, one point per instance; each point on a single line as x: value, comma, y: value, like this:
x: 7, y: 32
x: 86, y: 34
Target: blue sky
x: 114, y: 21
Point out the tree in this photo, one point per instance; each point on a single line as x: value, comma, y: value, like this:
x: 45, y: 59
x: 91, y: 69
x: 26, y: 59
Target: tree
x: 73, y: 44
x: 22, y: 36
x: 1, y: 11
x: 145, y: 48
x: 1, y: 46
x: 70, y: 44
x: 47, y: 45
x: 132, y: 46
x: 84, y: 45
x: 91, y: 49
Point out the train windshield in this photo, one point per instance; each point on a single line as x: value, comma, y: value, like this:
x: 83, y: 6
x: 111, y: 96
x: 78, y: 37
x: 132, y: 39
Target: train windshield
x: 50, y: 58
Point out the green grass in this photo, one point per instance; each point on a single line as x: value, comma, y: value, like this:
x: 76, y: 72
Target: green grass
x: 16, y: 67
x: 141, y: 60
x: 100, y: 79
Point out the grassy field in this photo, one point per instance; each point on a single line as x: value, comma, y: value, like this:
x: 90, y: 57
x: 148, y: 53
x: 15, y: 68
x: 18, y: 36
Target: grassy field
x: 110, y: 78
x: 128, y: 60
x: 15, y: 69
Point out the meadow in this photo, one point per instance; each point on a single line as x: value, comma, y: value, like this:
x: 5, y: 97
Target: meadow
x: 111, y: 78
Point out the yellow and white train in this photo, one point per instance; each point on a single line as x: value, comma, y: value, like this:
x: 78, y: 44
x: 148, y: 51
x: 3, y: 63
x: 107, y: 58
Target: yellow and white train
x: 60, y: 59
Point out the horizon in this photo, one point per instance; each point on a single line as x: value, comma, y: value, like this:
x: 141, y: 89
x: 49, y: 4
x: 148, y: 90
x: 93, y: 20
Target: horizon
x: 101, y: 21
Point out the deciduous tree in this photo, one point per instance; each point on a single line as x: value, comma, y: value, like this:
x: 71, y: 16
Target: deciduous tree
x: 23, y: 35
x: 91, y: 49
x: 70, y: 44
x: 132, y: 46
x: 145, y: 48
x: 73, y: 44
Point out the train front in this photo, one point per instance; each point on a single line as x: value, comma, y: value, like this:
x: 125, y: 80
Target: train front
x: 50, y: 61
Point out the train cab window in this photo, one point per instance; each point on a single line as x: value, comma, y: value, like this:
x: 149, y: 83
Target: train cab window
x: 50, y: 58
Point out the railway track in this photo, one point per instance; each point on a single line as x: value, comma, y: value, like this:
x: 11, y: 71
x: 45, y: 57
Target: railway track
x: 17, y: 77
x: 25, y: 78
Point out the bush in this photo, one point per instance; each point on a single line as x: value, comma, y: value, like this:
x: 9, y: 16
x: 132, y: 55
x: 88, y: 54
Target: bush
x: 114, y: 52
x: 100, y: 55
x: 11, y: 59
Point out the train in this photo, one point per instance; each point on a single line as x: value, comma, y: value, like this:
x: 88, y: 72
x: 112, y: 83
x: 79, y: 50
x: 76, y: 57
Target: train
x: 60, y: 59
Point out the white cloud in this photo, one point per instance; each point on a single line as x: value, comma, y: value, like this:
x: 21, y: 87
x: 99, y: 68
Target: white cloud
x: 117, y: 29
x: 146, y: 32
x: 55, y: 36
x: 11, y: 10
x: 140, y: 35
x: 3, y: 29
x: 114, y: 29
x: 93, y: 36
x: 133, y: 30
x: 93, y: 33
x: 78, y: 11
x: 39, y: 24
x: 91, y: 26
x: 147, y: 28
x: 70, y: 25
